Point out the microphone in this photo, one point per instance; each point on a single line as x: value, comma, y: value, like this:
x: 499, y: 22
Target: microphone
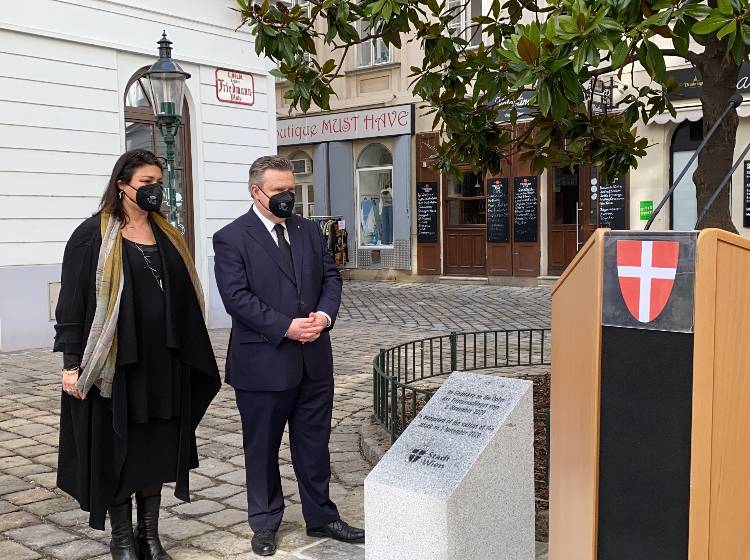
x: 734, y: 102
x: 724, y: 183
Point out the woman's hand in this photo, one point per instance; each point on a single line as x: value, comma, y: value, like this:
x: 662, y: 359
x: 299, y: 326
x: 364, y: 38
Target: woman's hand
x: 69, y: 380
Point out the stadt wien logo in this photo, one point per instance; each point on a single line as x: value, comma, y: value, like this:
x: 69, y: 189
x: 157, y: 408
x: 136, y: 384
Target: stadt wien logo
x: 426, y: 458
x: 416, y: 455
x: 646, y: 271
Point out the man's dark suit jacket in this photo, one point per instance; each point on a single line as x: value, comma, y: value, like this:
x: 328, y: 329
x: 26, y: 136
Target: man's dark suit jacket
x: 263, y: 296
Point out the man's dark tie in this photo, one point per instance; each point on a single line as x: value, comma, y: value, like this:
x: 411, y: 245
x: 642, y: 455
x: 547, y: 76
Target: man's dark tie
x: 286, y: 250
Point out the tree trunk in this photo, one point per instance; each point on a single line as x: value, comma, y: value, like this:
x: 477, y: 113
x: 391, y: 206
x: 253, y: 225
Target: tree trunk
x: 719, y: 73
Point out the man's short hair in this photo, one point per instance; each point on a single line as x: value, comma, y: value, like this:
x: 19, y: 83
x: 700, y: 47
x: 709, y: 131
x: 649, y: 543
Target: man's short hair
x: 264, y: 163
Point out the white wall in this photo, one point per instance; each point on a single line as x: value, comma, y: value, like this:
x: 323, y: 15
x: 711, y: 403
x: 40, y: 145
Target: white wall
x: 59, y: 135
x: 64, y: 66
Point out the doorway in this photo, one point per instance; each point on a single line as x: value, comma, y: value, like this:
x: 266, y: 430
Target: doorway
x: 465, y: 225
x: 571, y: 214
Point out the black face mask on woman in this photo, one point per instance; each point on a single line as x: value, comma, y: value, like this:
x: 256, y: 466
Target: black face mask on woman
x: 149, y: 197
x: 281, y: 204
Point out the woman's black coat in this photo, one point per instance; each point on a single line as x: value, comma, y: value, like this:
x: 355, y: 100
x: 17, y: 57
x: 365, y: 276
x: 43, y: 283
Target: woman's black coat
x: 93, y: 432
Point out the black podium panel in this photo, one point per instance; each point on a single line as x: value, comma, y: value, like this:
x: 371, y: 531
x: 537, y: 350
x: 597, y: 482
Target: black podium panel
x: 645, y: 434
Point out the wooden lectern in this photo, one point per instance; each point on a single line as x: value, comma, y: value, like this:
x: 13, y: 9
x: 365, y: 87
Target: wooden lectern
x: 650, y: 411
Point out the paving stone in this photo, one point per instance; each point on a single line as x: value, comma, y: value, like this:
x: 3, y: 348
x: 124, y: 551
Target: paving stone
x: 239, y: 501
x: 221, y: 491
x: 236, y: 477
x: 30, y: 430
x: 81, y: 549
x: 29, y: 471
x: 13, y: 551
x: 222, y: 542
x: 200, y: 507
x: 225, y: 518
x: 186, y: 553
x: 7, y: 507
x: 48, y: 507
x: 69, y: 518
x: 12, y: 484
x: 29, y: 496
x: 40, y: 536
x: 212, y: 468
x: 182, y: 529
x: 13, y: 461
x: 16, y: 520
x: 332, y: 550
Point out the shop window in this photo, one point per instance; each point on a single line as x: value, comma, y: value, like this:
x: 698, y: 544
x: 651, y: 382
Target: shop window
x: 465, y: 200
x: 373, y: 52
x: 303, y: 184
x: 141, y: 132
x: 375, y: 196
x: 684, y: 207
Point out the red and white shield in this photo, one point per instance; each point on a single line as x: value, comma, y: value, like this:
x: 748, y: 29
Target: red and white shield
x: 646, y: 271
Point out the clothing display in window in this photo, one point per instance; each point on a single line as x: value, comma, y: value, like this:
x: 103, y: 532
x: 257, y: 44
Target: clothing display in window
x: 336, y: 237
x: 386, y: 211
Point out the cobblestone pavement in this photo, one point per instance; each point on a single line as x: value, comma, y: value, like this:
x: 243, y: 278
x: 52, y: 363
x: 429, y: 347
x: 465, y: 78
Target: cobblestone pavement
x: 38, y: 521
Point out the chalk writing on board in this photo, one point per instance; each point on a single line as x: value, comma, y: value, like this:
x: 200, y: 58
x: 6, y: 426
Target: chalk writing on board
x: 525, y: 210
x: 427, y: 212
x: 497, y: 211
x: 612, y: 204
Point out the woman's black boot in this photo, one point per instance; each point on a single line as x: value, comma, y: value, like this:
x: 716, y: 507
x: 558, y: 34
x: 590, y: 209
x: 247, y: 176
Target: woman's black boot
x: 122, y: 545
x: 147, y: 533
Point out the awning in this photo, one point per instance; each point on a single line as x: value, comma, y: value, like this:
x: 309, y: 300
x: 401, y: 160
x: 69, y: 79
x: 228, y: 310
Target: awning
x: 694, y: 113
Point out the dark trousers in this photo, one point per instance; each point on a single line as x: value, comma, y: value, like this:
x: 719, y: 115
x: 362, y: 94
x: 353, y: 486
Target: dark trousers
x: 264, y: 414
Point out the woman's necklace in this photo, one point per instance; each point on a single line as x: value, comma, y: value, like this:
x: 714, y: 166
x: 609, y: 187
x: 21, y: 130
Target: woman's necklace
x: 147, y: 260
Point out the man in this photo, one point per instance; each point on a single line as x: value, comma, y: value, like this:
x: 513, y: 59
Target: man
x: 282, y: 289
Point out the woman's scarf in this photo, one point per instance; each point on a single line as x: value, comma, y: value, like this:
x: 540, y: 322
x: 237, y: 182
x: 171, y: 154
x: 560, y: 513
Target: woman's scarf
x: 100, y: 355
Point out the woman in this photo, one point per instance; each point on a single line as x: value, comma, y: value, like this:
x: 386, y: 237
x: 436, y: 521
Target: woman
x: 139, y: 371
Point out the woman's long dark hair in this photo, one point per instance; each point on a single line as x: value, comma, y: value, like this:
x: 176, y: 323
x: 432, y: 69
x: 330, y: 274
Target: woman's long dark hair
x: 126, y: 166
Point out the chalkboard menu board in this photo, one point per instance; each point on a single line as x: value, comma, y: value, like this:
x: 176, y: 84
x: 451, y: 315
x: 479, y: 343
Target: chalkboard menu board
x: 525, y: 210
x: 612, y: 204
x: 497, y: 211
x: 427, y: 212
x: 746, y: 211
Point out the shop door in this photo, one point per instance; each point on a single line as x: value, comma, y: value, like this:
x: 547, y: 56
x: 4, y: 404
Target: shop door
x: 465, y: 229
x: 571, y: 214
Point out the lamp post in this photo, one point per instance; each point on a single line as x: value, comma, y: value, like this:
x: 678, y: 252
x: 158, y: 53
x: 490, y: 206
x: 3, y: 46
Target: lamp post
x: 166, y: 81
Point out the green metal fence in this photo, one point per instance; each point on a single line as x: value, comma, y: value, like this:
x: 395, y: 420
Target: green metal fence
x: 406, y: 376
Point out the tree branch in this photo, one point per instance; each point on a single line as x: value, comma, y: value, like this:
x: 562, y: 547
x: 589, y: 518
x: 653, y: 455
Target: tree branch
x: 691, y: 57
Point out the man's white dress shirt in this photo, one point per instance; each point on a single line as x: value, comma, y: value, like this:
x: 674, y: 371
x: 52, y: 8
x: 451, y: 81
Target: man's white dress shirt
x: 269, y: 226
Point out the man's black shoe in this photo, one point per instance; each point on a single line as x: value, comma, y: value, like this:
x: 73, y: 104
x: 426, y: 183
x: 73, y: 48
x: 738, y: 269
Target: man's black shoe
x: 264, y: 542
x: 339, y: 531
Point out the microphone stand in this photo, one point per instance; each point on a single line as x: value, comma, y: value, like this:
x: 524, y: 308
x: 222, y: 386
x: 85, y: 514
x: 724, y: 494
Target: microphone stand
x: 721, y: 186
x: 734, y: 102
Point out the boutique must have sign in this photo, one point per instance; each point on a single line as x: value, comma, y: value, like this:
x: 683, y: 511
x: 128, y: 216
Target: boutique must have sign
x: 353, y: 125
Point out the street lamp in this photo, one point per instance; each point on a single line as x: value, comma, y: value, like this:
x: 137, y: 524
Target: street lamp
x: 166, y: 81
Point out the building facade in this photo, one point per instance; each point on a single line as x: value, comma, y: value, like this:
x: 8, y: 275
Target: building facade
x: 366, y: 163
x: 72, y: 99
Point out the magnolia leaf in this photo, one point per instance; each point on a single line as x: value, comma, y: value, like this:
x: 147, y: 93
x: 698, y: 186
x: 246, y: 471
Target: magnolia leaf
x: 528, y: 50
x: 579, y: 58
x: 730, y: 27
x: 709, y: 25
x: 725, y: 7
x: 619, y: 54
x: 544, y: 98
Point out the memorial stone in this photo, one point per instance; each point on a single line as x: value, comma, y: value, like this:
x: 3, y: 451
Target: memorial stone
x: 458, y: 484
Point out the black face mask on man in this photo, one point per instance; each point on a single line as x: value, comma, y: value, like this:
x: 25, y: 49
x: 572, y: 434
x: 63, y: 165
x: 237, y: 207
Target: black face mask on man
x: 281, y: 204
x: 149, y: 197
